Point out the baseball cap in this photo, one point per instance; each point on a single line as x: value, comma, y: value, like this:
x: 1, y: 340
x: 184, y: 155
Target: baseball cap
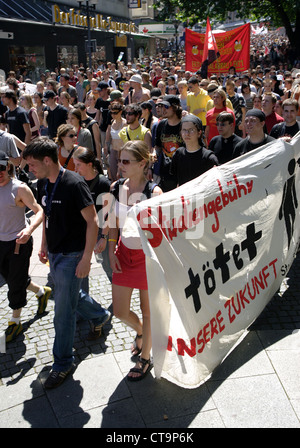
x: 170, y: 100
x: 114, y: 95
x: 49, y: 94
x: 136, y: 78
x: 256, y: 113
x: 3, y: 158
x: 102, y: 85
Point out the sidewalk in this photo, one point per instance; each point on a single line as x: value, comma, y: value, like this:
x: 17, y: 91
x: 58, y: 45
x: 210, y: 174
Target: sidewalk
x: 256, y: 386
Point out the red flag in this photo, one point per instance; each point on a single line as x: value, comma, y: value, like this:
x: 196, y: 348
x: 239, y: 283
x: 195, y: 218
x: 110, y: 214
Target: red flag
x: 210, y: 51
x: 234, y: 48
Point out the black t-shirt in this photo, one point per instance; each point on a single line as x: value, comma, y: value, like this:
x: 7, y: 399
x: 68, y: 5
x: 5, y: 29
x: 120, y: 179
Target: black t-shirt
x: 55, y: 118
x: 187, y: 165
x: 282, y: 130
x: 245, y: 145
x: 66, y: 230
x: 15, y: 119
x: 120, y: 83
x: 224, y: 147
x: 103, y: 106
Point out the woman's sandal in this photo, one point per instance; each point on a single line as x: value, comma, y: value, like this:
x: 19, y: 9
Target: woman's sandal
x: 140, y: 370
x: 135, y: 350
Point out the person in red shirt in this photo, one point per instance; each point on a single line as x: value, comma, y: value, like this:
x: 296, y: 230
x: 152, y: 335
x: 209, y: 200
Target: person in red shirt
x: 219, y: 98
x: 268, y: 105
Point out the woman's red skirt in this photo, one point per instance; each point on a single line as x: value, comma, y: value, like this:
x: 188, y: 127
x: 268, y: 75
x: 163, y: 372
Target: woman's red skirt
x: 133, y: 264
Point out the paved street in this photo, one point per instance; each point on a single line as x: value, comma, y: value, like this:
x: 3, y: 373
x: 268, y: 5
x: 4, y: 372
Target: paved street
x: 256, y: 386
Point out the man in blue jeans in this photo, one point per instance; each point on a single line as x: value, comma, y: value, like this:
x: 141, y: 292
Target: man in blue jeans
x: 70, y: 228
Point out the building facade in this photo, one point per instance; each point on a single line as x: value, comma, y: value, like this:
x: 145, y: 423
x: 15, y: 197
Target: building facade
x: 39, y: 34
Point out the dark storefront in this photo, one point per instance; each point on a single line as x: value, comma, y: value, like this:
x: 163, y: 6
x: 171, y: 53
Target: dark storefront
x: 36, y: 35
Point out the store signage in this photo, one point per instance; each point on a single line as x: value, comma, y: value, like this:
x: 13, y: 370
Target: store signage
x: 97, y: 22
x: 6, y: 35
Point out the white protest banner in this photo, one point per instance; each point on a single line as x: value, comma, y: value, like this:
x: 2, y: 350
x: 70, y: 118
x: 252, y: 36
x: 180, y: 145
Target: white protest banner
x: 217, y: 249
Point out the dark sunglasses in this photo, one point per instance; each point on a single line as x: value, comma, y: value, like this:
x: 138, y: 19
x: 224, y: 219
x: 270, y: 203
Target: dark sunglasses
x: 71, y: 135
x: 115, y: 112
x: 126, y: 161
x: 2, y: 168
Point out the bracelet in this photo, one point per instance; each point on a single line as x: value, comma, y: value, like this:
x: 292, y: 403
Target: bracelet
x: 105, y: 237
x: 112, y: 239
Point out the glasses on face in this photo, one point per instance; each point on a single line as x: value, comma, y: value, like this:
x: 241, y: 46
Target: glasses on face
x: 126, y: 161
x: 2, y: 167
x: 165, y: 106
x: 71, y: 135
x: 188, y: 131
x: 115, y: 112
x: 129, y: 113
x: 159, y: 105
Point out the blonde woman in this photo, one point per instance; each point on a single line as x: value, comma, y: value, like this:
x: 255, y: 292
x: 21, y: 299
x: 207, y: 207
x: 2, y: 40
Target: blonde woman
x: 27, y: 103
x: 126, y: 256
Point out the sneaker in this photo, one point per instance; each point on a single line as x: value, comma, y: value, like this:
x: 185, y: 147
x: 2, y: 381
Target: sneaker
x: 12, y: 331
x: 43, y: 300
x: 96, y: 331
x: 56, y: 378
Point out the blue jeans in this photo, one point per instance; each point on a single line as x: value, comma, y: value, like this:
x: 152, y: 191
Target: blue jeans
x: 69, y: 300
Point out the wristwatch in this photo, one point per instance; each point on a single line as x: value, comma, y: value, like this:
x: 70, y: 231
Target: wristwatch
x: 104, y: 236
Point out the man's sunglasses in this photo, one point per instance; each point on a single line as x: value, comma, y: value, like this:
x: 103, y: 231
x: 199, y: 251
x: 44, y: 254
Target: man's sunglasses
x: 2, y: 167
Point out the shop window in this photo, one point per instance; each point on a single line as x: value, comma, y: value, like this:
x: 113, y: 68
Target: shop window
x: 27, y: 61
x: 67, y: 55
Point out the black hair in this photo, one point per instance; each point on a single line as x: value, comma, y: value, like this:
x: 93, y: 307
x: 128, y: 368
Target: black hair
x: 41, y: 147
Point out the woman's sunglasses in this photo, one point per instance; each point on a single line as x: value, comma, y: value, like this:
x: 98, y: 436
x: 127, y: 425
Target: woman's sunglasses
x: 126, y: 161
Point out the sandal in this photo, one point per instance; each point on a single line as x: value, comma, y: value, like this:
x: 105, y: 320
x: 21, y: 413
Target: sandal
x: 135, y: 350
x: 140, y: 370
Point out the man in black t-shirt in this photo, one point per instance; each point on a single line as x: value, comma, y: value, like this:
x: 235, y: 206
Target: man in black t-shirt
x: 193, y: 159
x: 16, y: 117
x: 70, y: 228
x: 290, y: 126
x: 168, y: 139
x: 254, y: 126
x: 55, y: 114
x: 223, y: 145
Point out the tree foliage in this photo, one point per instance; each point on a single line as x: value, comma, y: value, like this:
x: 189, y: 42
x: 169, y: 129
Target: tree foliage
x: 279, y: 12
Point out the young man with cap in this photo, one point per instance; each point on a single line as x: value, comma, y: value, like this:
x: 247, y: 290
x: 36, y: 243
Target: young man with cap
x: 168, y: 139
x: 55, y: 114
x: 70, y: 229
x: 192, y: 159
x: 16, y: 117
x: 16, y: 244
x: 254, y: 126
x: 290, y: 126
x: 138, y: 94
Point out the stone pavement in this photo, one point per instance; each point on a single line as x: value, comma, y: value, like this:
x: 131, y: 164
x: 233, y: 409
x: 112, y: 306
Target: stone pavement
x: 257, y: 386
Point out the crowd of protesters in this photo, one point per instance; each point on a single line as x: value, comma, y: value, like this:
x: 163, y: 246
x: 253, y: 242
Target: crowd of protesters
x: 145, y: 128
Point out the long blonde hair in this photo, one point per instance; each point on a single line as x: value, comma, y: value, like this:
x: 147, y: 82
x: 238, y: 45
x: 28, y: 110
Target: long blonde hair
x: 139, y: 150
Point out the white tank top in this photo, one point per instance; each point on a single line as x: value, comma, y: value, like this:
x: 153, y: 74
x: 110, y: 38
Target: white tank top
x: 12, y: 217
